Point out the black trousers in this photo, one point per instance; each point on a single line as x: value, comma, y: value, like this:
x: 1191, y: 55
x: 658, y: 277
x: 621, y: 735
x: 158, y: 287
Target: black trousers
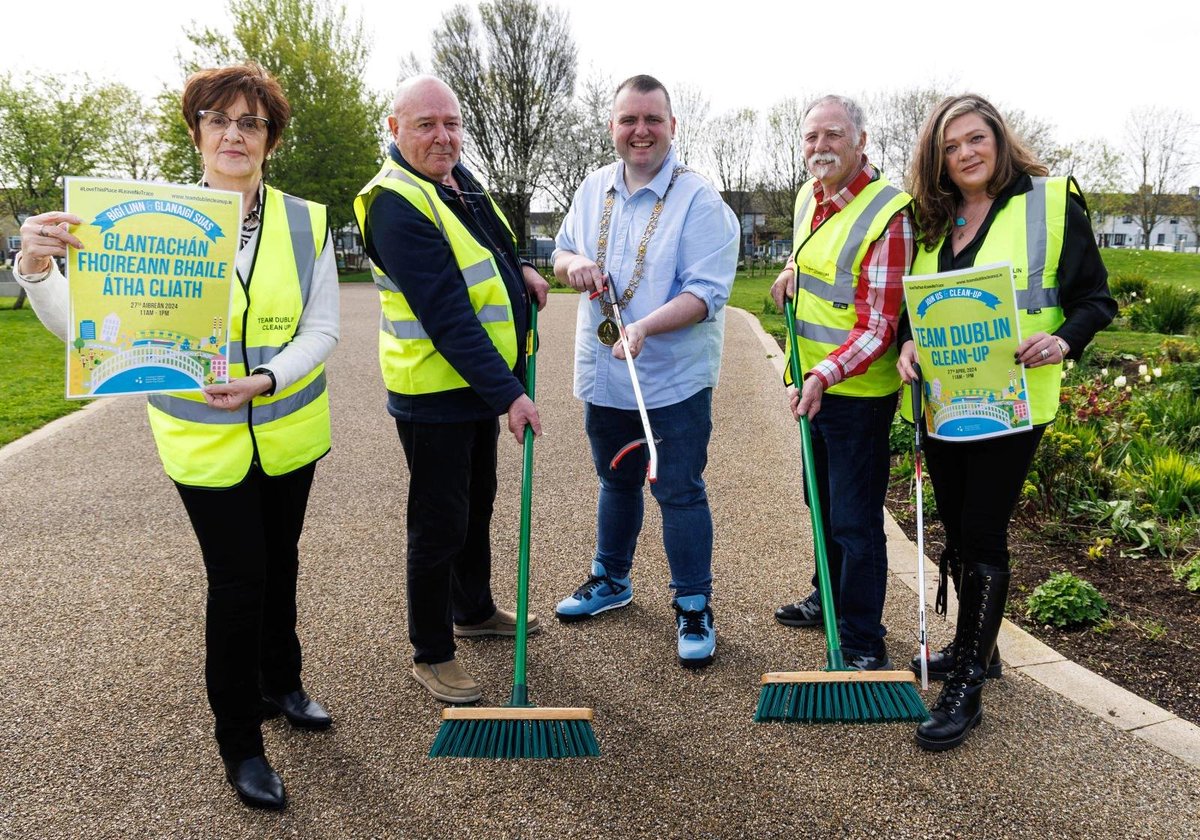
x: 977, y: 485
x: 248, y: 536
x: 451, y: 490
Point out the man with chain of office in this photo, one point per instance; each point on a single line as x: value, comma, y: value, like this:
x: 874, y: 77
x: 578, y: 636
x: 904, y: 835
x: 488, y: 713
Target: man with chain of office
x: 661, y: 235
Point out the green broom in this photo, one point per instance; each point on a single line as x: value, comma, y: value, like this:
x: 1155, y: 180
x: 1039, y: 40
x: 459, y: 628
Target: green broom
x: 520, y: 729
x: 838, y: 693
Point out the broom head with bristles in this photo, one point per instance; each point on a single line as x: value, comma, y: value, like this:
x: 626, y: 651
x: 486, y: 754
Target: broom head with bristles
x: 515, y: 732
x: 840, y: 697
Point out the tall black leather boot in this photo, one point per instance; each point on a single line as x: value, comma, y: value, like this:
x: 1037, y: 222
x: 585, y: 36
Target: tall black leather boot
x: 959, y: 707
x: 941, y: 662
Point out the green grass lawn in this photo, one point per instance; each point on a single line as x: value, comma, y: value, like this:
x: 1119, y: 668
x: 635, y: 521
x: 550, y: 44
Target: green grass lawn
x: 1183, y: 269
x: 33, y: 361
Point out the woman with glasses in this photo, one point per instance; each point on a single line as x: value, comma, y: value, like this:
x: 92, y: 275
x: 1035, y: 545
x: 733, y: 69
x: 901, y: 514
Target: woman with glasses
x: 242, y: 454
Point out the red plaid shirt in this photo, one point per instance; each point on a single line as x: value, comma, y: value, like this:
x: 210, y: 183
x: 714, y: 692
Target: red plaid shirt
x: 879, y: 295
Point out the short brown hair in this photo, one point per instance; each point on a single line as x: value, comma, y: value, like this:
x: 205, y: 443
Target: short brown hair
x: 934, y: 194
x: 218, y: 87
x: 643, y: 84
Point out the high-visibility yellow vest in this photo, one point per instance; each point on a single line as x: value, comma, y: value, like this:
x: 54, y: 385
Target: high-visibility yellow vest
x: 208, y: 447
x: 411, y: 364
x: 1028, y: 232
x: 828, y: 263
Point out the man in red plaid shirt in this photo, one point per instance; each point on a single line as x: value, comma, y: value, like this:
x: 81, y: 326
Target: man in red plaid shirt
x: 853, y: 246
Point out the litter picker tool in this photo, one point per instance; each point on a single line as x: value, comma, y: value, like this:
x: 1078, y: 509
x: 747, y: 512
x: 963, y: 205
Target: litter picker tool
x: 520, y: 729
x: 838, y: 693
x: 918, y: 394
x: 652, y: 467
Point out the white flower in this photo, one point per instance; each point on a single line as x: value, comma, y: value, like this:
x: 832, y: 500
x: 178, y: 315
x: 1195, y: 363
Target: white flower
x: 1119, y: 382
x: 1146, y: 378
x: 1104, y: 372
x: 1157, y: 372
x: 1142, y: 369
x: 1070, y: 364
x: 1133, y: 294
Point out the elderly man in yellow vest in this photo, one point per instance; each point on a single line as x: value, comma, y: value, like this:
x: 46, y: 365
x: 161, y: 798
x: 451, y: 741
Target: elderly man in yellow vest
x: 853, y: 245
x: 455, y: 299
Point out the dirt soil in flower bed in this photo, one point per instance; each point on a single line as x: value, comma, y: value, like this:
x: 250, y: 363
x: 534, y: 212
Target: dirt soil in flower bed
x: 1153, y: 645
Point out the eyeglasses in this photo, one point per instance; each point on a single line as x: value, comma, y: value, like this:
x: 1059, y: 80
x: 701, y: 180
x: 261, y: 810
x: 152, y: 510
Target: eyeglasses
x: 218, y: 123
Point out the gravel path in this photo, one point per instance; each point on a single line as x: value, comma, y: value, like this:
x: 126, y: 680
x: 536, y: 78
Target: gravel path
x: 105, y: 732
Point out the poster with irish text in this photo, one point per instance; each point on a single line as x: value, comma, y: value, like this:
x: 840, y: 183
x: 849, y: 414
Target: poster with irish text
x: 965, y: 326
x: 150, y: 289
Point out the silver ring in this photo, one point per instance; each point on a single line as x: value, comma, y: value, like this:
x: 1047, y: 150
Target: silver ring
x: 1045, y: 353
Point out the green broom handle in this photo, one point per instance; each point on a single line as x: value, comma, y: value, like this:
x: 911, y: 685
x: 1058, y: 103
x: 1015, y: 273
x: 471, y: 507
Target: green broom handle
x: 520, y: 691
x: 828, y: 616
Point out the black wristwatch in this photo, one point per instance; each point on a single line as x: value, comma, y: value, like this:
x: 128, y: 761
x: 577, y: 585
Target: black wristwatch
x: 270, y: 392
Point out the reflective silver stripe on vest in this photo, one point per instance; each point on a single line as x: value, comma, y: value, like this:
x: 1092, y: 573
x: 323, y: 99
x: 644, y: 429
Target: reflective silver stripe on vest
x: 401, y: 175
x: 494, y: 314
x: 1034, y: 296
x: 474, y: 274
x: 198, y: 412
x: 303, y: 246
x: 254, y: 356
x: 382, y: 281
x: 799, y: 220
x: 821, y: 333
x: 841, y: 291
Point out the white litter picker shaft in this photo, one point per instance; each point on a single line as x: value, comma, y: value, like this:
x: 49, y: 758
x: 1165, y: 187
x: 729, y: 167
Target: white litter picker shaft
x: 652, y: 467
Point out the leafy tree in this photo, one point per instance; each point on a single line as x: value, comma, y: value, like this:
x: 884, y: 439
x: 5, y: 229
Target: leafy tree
x: 785, y: 169
x: 732, y: 149
x: 331, y: 147
x: 690, y: 107
x: 131, y: 148
x: 50, y: 130
x: 1157, y: 155
x: 582, y: 142
x: 514, y: 77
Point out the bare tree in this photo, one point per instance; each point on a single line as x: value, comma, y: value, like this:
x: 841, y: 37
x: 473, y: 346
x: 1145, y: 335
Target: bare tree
x: 894, y: 120
x: 785, y: 169
x: 1038, y: 135
x: 690, y: 107
x: 1158, y: 158
x: 514, y: 76
x: 732, y: 147
x: 582, y: 142
x: 1100, y: 171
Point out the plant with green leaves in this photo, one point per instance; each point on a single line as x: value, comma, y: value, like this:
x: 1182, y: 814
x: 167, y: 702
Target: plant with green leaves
x: 1188, y: 572
x: 1170, y: 483
x: 1065, y: 600
x: 1167, y: 309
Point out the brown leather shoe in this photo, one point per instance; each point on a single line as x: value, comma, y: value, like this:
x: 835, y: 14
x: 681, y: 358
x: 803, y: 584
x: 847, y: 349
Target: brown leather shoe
x: 502, y: 623
x: 447, y: 681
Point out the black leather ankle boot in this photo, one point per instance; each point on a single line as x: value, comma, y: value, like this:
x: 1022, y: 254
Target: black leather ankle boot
x: 941, y: 662
x: 959, y: 707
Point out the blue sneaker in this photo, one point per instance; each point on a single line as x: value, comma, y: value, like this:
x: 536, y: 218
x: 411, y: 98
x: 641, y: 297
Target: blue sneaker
x: 599, y: 593
x: 697, y: 636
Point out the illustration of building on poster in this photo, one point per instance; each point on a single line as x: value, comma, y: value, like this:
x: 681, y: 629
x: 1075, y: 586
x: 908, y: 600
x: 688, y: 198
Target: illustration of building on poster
x: 965, y: 327
x: 150, y: 289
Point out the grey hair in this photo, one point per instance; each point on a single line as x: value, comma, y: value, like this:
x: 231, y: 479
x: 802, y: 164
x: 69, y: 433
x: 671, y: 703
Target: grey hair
x: 852, y: 109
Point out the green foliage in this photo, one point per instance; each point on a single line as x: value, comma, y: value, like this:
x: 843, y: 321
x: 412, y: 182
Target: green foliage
x: 1062, y: 471
x: 1170, y: 483
x: 900, y: 436
x: 1128, y: 286
x: 1066, y: 601
x: 332, y: 146
x: 769, y: 307
x: 1188, y: 573
x: 53, y: 127
x: 1175, y: 350
x: 1167, y: 309
x: 1119, y: 517
x: 1174, y: 414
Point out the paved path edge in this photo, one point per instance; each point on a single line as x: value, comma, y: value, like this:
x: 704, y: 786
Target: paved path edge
x: 1025, y: 654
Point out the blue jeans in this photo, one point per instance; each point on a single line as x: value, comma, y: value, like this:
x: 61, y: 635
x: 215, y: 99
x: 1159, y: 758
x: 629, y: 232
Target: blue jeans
x: 683, y: 430
x: 850, y: 455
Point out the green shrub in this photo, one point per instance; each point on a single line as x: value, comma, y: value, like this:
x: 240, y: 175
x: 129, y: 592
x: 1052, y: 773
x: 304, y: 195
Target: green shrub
x: 1189, y: 573
x: 1066, y: 601
x: 900, y: 436
x: 1170, y: 484
x: 1174, y: 414
x: 769, y: 307
x: 1128, y: 286
x: 1064, y: 469
x: 1171, y: 310
x: 1175, y: 351
x: 1186, y: 374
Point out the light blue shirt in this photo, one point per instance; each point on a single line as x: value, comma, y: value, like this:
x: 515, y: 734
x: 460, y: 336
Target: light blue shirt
x: 694, y: 249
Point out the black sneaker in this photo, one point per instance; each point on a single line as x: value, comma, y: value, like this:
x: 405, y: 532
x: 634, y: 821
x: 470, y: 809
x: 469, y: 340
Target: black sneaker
x: 806, y: 613
x: 869, y: 663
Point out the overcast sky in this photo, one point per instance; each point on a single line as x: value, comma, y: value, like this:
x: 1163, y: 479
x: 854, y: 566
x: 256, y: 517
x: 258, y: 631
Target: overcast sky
x: 1080, y: 70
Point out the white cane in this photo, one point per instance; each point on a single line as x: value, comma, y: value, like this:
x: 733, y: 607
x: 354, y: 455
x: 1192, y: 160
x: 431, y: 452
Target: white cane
x: 652, y: 467
x: 918, y: 391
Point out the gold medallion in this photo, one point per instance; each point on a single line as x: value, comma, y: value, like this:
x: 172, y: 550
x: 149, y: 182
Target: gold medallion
x: 608, y: 333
